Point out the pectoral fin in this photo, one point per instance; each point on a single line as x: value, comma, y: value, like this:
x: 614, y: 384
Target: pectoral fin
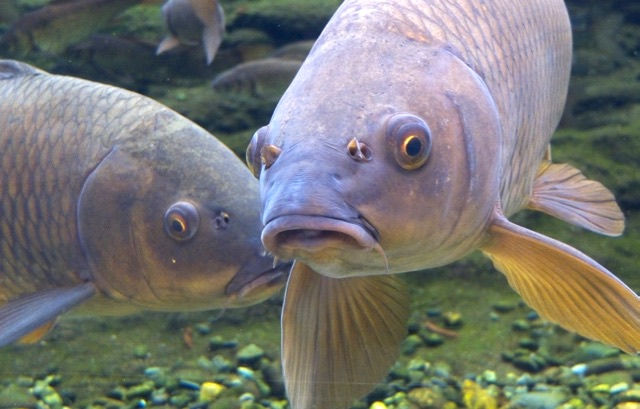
x: 564, y: 192
x: 167, y: 44
x: 339, y: 336
x: 29, y: 315
x: 565, y: 286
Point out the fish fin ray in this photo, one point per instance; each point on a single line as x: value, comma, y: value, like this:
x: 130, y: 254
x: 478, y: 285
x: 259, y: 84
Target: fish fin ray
x: 564, y: 192
x: 358, y: 322
x: 24, y: 315
x: 565, y: 286
x: 167, y: 43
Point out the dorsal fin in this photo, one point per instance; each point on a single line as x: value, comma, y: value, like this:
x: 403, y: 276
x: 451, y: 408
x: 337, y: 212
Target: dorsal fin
x: 11, y: 68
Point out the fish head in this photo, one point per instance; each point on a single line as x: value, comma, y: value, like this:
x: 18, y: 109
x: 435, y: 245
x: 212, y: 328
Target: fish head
x: 169, y: 220
x: 378, y: 161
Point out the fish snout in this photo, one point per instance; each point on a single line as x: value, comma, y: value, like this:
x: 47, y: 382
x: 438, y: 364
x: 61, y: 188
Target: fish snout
x: 309, y: 237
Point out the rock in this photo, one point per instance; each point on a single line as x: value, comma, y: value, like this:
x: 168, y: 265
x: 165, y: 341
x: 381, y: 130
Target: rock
x: 209, y: 391
x: 410, y: 344
x: 249, y: 355
x: 538, y: 400
x: 426, y: 398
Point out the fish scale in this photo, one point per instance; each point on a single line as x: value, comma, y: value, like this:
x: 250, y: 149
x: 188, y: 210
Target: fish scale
x: 39, y: 185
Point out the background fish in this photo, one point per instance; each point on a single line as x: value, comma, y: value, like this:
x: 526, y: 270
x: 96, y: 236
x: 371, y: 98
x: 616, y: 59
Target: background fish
x: 110, y: 197
x: 53, y: 28
x: 263, y: 78
x: 192, y: 22
x: 409, y: 135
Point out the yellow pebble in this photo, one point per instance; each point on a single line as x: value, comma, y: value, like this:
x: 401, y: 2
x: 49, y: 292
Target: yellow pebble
x: 378, y: 405
x: 209, y: 391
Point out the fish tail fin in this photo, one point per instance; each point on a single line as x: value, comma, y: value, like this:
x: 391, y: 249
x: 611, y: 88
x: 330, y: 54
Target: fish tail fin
x: 339, y: 336
x: 564, y: 192
x: 565, y: 286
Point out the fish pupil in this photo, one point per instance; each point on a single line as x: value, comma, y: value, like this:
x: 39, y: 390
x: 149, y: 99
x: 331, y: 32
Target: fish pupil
x: 413, y: 146
x: 178, y: 226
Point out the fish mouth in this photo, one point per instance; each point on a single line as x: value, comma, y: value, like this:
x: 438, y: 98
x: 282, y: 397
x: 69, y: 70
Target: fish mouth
x: 258, y: 280
x: 300, y: 236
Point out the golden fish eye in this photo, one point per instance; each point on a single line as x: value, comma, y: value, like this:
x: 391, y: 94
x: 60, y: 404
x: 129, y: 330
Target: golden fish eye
x: 409, y: 138
x: 181, y: 221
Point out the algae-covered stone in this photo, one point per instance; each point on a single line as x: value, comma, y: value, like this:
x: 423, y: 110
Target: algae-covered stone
x: 426, y: 397
x: 249, y: 355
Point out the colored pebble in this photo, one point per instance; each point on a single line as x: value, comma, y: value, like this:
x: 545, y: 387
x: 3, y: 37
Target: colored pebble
x: 209, y: 391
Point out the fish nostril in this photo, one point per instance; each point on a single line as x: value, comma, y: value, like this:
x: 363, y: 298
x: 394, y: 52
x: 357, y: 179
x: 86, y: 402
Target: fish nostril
x: 359, y: 150
x: 269, y: 154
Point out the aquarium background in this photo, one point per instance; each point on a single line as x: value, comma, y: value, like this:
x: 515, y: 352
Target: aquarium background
x: 471, y: 344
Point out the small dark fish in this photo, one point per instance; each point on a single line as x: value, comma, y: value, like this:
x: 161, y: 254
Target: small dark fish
x: 264, y: 78
x: 110, y: 199
x: 193, y: 22
x: 51, y: 29
x: 411, y: 133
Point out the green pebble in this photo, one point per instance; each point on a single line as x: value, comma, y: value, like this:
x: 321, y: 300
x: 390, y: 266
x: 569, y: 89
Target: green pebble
x: 140, y: 391
x: 520, y: 325
x: 452, y: 319
x: 53, y: 400
x: 433, y: 340
x: 529, y: 344
x: 203, y: 328
x: 249, y: 355
x: 410, y: 344
x: 426, y: 397
x: 180, y: 400
x: 504, y: 306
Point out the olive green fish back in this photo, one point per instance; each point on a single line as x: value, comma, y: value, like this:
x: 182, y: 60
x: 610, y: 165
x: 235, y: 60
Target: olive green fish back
x: 522, y: 50
x: 53, y: 133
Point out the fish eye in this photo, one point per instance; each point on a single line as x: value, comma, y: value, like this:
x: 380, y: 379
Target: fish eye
x: 181, y: 221
x: 253, y: 156
x: 409, y: 138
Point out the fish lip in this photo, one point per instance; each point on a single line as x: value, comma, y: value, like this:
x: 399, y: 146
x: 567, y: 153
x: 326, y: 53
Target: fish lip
x: 289, y: 234
x: 266, y: 281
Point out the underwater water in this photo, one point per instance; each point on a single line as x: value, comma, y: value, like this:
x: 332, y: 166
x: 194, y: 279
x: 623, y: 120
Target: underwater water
x: 471, y: 342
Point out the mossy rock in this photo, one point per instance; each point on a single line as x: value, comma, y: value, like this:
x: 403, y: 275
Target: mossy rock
x: 284, y: 20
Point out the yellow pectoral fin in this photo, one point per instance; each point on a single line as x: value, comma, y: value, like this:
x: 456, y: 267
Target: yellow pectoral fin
x: 37, y: 334
x: 564, y: 192
x: 339, y: 336
x: 565, y: 286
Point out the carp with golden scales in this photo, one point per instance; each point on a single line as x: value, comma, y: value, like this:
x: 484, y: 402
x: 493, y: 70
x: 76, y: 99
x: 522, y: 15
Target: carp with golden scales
x: 111, y: 200
x: 411, y: 133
